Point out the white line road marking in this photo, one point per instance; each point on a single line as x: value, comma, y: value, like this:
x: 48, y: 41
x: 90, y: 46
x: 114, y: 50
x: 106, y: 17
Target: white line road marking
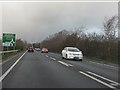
x: 70, y: 65
x: 103, y: 78
x: 63, y: 63
x: 46, y: 55
x: 66, y: 64
x: 97, y: 80
x: 6, y: 73
x: 113, y: 84
x: 52, y: 58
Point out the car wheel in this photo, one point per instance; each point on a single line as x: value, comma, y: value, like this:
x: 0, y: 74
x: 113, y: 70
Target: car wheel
x: 66, y: 56
x: 80, y: 59
x: 62, y: 56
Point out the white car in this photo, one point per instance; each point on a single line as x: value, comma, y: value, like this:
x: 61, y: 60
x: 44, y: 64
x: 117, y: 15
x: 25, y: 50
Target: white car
x: 72, y: 53
x: 37, y: 49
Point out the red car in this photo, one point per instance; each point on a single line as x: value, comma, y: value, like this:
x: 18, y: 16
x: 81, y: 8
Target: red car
x: 44, y: 50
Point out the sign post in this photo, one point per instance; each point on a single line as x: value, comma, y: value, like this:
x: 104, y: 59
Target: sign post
x: 8, y: 40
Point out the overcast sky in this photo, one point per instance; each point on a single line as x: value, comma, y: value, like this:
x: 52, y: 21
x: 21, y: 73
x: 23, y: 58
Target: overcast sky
x: 34, y: 21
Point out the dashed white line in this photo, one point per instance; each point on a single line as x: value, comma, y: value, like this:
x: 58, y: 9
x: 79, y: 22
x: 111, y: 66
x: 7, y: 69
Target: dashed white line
x: 63, y: 63
x: 6, y: 73
x: 46, y: 55
x: 113, y: 84
x: 52, y: 58
x: 66, y: 64
x: 97, y: 80
x: 103, y: 77
x: 70, y: 65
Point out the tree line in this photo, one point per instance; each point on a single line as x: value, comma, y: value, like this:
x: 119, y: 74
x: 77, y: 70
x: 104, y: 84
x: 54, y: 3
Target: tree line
x: 93, y: 45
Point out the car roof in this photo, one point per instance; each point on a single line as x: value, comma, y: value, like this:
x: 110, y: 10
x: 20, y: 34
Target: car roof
x: 44, y: 48
x: 72, y: 47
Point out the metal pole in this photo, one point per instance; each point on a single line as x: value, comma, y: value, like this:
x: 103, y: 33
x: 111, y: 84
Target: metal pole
x: 7, y: 48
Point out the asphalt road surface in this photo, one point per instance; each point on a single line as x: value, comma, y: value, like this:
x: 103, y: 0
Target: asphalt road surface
x: 49, y: 70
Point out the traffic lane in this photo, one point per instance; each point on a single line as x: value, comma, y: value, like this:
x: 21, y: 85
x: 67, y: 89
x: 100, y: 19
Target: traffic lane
x: 101, y: 69
x: 35, y: 70
x: 107, y: 71
x: 105, y: 65
x: 7, y: 64
x: 114, y: 68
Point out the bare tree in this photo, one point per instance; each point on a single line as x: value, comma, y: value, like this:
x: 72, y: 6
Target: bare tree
x: 80, y: 31
x: 20, y: 44
x: 110, y: 27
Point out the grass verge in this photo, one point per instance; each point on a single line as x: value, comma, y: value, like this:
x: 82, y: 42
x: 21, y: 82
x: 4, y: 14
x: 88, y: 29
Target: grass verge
x: 6, y: 56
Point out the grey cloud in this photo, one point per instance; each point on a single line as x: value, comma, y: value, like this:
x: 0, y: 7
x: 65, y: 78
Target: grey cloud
x: 34, y: 21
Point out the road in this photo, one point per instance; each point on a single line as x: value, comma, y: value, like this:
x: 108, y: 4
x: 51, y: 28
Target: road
x: 49, y: 70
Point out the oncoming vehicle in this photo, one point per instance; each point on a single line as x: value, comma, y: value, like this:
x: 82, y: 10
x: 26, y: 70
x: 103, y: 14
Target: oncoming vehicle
x: 44, y: 50
x: 72, y: 53
x: 30, y: 49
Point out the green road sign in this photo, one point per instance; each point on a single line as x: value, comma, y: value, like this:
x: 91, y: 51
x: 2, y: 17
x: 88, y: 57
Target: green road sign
x: 8, y: 39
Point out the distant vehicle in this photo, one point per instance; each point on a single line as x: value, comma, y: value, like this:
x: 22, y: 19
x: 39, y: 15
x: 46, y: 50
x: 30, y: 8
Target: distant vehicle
x: 44, y: 50
x: 30, y: 49
x: 72, y: 53
x: 37, y: 49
